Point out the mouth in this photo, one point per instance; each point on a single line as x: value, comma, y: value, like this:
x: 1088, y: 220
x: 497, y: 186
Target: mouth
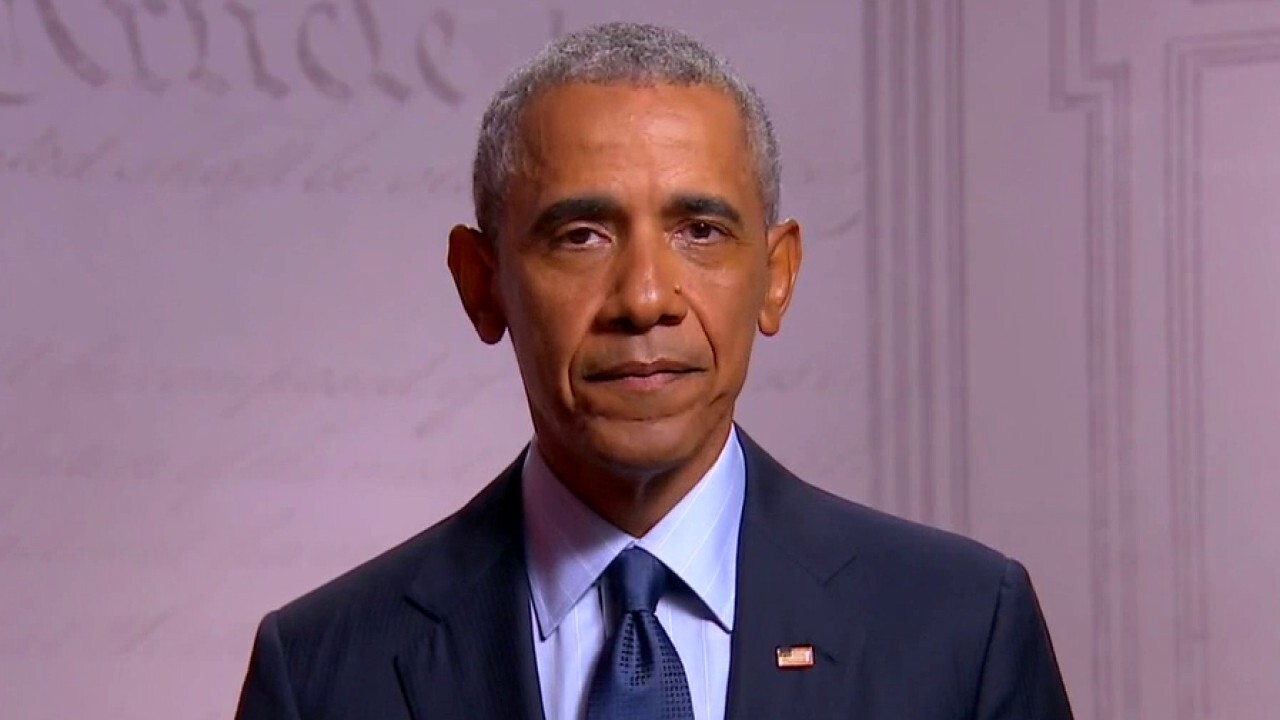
x: 643, y: 375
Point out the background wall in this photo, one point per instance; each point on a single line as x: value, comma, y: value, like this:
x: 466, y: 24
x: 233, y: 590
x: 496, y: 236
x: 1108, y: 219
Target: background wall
x: 1039, y: 307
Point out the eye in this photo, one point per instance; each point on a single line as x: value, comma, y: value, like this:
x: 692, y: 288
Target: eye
x: 702, y: 232
x: 581, y: 236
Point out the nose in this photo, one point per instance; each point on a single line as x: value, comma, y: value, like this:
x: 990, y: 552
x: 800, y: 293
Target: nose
x: 646, y: 288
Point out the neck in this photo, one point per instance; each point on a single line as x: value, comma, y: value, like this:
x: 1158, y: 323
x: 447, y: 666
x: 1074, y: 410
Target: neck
x: 633, y: 499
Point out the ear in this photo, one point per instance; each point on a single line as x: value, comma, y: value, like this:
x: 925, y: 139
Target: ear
x: 473, y: 263
x: 782, y: 267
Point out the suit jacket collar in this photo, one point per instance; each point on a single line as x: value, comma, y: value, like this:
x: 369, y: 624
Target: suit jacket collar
x: 797, y: 585
x: 476, y: 659
x: 568, y: 546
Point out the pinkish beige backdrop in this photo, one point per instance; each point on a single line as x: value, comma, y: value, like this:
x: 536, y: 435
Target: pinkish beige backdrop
x: 1041, y: 306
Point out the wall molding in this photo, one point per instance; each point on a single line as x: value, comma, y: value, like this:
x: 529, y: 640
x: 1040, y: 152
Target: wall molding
x: 916, y: 278
x: 1101, y: 91
x: 1230, y: 2
x: 1188, y: 61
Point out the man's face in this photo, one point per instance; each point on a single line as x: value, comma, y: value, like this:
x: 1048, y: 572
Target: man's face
x: 632, y: 269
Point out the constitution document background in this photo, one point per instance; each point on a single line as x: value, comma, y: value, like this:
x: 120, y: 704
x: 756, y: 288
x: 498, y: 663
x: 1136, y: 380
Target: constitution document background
x: 1040, y: 305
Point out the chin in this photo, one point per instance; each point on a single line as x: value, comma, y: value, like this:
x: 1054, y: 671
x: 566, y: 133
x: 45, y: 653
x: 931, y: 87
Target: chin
x: 644, y: 446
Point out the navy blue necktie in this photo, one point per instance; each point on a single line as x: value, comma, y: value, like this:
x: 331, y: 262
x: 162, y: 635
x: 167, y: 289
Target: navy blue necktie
x: 639, y: 675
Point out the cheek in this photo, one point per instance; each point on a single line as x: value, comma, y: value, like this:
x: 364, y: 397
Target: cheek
x: 547, y: 320
x: 728, y: 311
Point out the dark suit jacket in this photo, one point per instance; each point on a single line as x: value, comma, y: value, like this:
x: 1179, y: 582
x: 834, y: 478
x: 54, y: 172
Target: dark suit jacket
x: 908, y: 623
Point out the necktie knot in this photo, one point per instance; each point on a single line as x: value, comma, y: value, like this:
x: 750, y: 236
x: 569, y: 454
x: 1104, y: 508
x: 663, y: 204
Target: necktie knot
x: 636, y: 580
x: 639, y: 676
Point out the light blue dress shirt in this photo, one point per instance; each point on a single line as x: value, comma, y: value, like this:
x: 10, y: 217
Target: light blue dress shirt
x: 569, y: 547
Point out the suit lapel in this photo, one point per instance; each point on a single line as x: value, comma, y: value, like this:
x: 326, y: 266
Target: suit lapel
x: 476, y: 658
x: 796, y: 586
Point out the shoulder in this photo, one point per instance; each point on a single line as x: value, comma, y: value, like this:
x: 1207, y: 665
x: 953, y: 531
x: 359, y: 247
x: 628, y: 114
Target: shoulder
x: 327, y: 646
x: 900, y: 557
x: 377, y: 583
x: 376, y: 594
x: 934, y: 592
x: 902, y: 549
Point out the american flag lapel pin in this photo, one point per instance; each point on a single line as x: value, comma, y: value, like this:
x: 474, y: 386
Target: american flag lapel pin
x: 794, y: 657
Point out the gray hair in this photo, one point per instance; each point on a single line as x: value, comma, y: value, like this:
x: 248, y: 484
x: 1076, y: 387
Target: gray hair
x: 606, y: 54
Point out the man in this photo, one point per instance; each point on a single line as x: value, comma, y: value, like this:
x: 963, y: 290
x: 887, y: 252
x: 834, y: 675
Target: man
x: 644, y: 558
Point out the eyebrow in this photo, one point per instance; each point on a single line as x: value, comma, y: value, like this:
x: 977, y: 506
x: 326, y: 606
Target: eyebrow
x: 586, y: 207
x: 682, y: 205
x: 603, y: 207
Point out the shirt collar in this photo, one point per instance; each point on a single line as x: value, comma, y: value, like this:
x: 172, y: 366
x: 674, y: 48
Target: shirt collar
x: 569, y: 546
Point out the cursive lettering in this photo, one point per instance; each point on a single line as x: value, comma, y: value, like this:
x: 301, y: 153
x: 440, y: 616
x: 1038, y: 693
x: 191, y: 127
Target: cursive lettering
x: 128, y: 17
x: 381, y: 78
x: 427, y: 64
x: 201, y: 75
x: 68, y: 50
x: 320, y: 76
x: 262, y: 78
x: 430, y: 44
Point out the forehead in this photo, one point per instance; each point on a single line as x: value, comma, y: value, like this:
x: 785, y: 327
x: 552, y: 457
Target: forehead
x: 606, y: 134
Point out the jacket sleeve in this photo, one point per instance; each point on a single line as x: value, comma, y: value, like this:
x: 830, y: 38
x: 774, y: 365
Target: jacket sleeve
x: 266, y: 694
x: 1020, y: 677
